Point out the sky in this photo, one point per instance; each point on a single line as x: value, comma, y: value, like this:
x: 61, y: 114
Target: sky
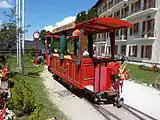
x: 47, y: 14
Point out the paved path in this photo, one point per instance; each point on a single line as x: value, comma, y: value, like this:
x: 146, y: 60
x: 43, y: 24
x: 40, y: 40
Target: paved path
x: 72, y: 106
x: 141, y: 97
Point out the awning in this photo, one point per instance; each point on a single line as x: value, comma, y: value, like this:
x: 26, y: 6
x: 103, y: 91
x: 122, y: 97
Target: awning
x: 95, y: 25
x: 99, y: 25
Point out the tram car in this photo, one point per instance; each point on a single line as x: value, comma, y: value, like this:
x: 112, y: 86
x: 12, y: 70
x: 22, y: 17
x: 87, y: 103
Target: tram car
x: 102, y: 76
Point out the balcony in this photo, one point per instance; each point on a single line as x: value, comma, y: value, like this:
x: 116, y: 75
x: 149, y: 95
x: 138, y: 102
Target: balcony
x: 124, y: 15
x: 117, y: 6
x: 141, y: 13
x: 100, y: 40
x: 148, y: 34
x: 145, y: 39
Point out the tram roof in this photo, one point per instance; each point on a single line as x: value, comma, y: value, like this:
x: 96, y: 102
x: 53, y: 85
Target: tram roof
x: 95, y: 25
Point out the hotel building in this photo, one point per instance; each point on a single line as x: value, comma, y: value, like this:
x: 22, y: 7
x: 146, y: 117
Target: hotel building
x: 141, y: 43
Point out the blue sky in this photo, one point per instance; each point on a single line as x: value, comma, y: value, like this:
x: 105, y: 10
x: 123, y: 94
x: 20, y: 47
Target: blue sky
x: 48, y: 13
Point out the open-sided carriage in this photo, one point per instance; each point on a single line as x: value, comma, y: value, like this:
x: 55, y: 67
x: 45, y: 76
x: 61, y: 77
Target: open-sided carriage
x: 99, y: 75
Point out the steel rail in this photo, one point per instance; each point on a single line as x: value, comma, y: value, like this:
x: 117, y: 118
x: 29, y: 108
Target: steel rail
x: 98, y: 109
x: 135, y: 114
x: 129, y: 107
x: 109, y: 113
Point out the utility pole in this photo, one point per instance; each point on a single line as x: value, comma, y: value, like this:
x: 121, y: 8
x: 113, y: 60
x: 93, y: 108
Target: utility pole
x: 17, y: 33
x: 20, y: 66
x: 23, y: 34
x: 20, y: 31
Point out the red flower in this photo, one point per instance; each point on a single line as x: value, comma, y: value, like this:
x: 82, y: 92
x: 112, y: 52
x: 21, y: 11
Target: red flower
x: 124, y: 76
x: 5, y: 70
x: 154, y: 66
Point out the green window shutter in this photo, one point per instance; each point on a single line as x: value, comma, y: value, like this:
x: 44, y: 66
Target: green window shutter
x: 62, y: 45
x: 79, y: 48
x: 51, y: 46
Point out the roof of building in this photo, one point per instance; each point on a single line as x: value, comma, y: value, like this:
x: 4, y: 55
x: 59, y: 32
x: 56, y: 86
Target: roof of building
x: 98, y: 3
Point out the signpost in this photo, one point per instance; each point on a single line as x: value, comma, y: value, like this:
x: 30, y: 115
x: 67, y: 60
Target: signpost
x: 36, y: 36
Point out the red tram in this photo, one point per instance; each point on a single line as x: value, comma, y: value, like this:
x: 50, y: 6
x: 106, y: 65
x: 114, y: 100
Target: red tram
x: 95, y: 74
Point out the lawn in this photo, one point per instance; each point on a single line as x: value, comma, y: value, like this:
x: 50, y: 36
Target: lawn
x: 141, y: 76
x: 32, y: 76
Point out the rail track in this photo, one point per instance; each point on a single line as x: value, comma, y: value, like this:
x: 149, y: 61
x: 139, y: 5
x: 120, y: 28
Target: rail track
x: 126, y: 112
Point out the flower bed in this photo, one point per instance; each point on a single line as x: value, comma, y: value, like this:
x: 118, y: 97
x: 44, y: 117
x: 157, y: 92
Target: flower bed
x: 5, y: 114
x: 154, y: 68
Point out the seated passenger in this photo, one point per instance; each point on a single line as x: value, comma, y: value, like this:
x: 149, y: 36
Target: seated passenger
x: 85, y: 53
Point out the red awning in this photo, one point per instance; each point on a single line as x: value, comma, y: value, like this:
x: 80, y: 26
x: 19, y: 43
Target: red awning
x: 98, y: 25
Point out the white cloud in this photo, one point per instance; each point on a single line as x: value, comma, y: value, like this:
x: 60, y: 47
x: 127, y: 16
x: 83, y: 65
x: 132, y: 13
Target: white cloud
x: 49, y: 28
x: 5, y: 4
x: 60, y: 23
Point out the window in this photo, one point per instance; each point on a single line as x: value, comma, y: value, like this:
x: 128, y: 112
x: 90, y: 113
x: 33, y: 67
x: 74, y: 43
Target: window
x: 134, y: 51
x: 99, y: 36
x: 104, y: 35
x: 110, y: 4
x: 109, y: 50
x: 117, y: 32
x: 149, y: 4
x: 131, y: 30
x: 136, y: 28
x: 124, y: 33
x: 143, y: 28
x: 99, y: 50
x: 116, y: 50
x: 148, y: 52
x: 142, y: 51
x: 124, y: 12
x: 105, y: 7
x: 136, y: 6
x: 129, y: 50
x: 148, y: 28
x: 117, y: 14
x: 123, y: 50
x: 102, y: 49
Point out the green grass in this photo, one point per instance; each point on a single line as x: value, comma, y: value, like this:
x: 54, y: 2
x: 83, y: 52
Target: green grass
x: 141, y: 76
x: 49, y: 109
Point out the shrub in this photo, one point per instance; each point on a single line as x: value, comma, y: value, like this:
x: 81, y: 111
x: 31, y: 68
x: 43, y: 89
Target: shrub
x: 23, y: 100
x: 142, y: 67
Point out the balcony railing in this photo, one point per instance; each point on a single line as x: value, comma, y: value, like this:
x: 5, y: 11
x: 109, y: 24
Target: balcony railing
x: 148, y: 34
x: 125, y: 14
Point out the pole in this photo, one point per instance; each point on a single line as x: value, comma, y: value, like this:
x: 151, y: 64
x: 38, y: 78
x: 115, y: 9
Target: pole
x: 23, y: 25
x: 23, y: 35
x: 17, y: 36
x: 36, y: 51
x: 20, y: 67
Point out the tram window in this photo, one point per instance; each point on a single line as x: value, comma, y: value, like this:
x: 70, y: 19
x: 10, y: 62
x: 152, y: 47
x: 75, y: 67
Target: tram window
x: 70, y: 46
x: 56, y: 46
x: 86, y: 43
